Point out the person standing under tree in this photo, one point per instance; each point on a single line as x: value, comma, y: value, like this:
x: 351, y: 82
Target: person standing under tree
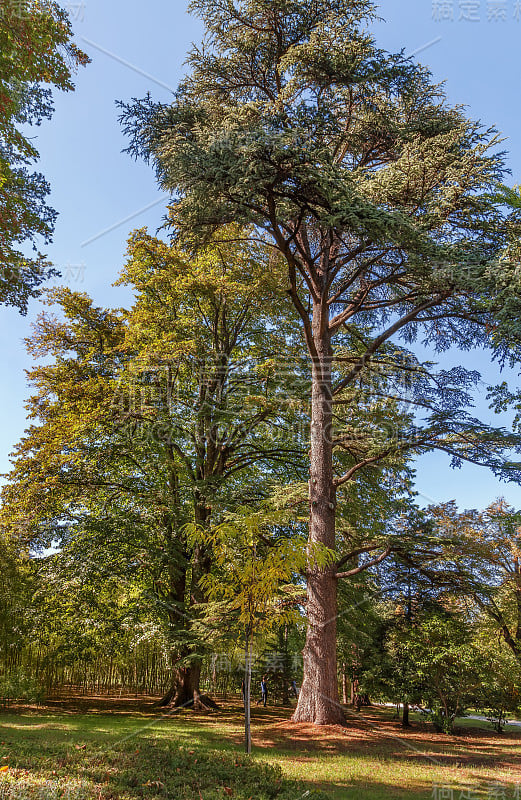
x: 264, y: 691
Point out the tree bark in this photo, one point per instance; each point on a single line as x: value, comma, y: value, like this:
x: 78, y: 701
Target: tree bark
x: 405, y: 715
x: 247, y: 695
x: 318, y: 699
x: 184, y: 689
x: 345, y: 698
x: 184, y: 684
x: 286, y: 674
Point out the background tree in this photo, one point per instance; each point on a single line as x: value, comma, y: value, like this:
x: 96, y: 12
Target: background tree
x: 150, y: 419
x: 376, y: 194
x: 484, y: 564
x: 446, y: 663
x: 16, y: 590
x: 371, y: 630
x: 36, y: 53
x: 499, y: 693
x: 358, y: 624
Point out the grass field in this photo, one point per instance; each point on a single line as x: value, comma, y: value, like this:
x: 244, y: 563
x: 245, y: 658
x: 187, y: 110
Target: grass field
x: 106, y: 750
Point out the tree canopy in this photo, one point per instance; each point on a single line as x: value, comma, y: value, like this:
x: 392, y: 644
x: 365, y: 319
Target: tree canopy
x: 36, y: 54
x: 379, y: 198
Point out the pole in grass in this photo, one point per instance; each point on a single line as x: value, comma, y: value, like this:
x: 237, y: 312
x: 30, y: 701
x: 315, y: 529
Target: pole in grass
x: 247, y: 693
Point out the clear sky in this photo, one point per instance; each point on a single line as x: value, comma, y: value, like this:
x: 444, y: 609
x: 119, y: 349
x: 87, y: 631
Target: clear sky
x: 472, y: 45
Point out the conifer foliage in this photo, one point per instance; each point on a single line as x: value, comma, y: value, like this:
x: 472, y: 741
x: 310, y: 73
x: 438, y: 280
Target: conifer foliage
x: 380, y: 200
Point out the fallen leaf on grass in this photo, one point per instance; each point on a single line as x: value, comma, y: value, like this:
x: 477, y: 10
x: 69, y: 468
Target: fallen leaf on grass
x: 4, y: 769
x: 228, y: 791
x: 80, y: 746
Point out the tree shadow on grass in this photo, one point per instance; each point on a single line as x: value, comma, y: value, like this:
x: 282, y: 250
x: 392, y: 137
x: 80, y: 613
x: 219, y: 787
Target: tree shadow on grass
x: 162, y: 755
x: 151, y: 767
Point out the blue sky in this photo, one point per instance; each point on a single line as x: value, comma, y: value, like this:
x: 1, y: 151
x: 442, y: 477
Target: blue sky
x: 135, y: 47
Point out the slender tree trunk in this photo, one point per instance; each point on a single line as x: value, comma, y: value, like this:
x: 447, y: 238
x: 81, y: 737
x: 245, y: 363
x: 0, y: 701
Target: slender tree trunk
x: 517, y: 590
x: 318, y: 700
x: 247, y: 696
x: 286, y: 670
x: 405, y: 715
x: 345, y: 698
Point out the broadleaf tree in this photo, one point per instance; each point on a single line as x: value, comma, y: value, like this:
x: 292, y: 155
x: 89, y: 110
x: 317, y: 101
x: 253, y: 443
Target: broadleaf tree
x: 485, y: 563
x: 146, y: 420
x: 258, y: 555
x: 36, y: 54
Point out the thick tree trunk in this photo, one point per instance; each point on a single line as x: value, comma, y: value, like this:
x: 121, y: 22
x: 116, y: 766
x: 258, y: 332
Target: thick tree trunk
x: 318, y: 699
x: 184, y: 683
x: 184, y: 689
x: 405, y: 715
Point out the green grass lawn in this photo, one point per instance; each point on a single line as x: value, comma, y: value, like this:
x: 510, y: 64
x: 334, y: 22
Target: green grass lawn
x: 54, y: 754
